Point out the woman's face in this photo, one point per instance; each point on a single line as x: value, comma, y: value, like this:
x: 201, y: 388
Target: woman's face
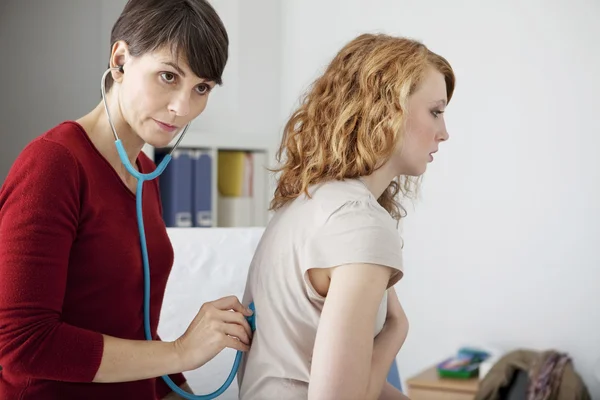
x: 159, y: 95
x: 425, y: 126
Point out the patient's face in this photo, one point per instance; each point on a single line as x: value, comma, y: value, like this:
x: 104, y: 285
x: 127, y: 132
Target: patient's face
x: 425, y: 126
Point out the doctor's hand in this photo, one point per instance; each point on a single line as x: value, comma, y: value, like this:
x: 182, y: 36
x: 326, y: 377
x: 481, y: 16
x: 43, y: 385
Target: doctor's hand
x: 219, y: 324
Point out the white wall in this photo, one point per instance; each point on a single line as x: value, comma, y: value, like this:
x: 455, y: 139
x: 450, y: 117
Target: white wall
x: 502, y: 248
x: 246, y: 106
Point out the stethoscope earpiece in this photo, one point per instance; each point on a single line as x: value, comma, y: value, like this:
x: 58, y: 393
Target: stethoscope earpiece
x: 121, y: 69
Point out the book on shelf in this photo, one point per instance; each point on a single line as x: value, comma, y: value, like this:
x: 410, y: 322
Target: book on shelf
x: 176, y: 189
x: 242, y: 185
x: 214, y: 188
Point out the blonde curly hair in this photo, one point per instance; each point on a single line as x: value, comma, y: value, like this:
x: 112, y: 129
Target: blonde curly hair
x: 351, y: 120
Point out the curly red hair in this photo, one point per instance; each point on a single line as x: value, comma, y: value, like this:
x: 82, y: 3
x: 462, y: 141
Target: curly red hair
x: 352, y: 118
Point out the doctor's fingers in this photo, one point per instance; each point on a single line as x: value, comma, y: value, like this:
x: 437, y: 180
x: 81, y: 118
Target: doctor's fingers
x: 232, y: 317
x: 234, y: 343
x: 231, y: 303
x: 236, y: 331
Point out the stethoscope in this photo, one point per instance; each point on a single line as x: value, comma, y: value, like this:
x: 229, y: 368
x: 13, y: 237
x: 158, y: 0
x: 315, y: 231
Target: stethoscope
x: 141, y: 178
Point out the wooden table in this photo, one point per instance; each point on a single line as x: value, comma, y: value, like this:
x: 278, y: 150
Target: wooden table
x: 429, y: 386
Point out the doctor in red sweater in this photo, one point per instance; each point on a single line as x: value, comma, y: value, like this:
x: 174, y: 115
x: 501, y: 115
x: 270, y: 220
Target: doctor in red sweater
x: 71, y: 276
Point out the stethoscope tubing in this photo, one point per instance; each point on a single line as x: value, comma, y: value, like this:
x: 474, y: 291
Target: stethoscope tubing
x: 141, y: 178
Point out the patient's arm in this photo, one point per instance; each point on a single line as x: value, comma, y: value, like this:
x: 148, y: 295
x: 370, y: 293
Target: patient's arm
x: 393, y: 335
x: 397, y: 317
x: 386, y: 346
x: 395, y: 331
x: 391, y: 393
x: 343, y: 364
x: 396, y: 312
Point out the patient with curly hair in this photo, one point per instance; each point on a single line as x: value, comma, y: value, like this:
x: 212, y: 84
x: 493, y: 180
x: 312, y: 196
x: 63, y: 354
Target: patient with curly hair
x: 329, y: 322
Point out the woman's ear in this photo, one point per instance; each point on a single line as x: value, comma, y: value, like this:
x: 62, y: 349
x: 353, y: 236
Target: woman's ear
x: 118, y: 57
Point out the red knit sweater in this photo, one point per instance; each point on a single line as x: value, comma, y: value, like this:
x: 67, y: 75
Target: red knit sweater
x: 71, y: 269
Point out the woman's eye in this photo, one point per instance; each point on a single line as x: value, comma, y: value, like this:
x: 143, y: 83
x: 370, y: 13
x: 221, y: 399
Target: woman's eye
x: 168, y: 77
x: 436, y: 113
x: 203, y: 89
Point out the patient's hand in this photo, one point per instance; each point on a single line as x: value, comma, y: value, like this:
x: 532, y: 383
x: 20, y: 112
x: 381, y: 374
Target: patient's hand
x: 175, y: 396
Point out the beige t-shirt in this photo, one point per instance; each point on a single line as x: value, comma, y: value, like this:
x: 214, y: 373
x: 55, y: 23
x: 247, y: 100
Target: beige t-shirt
x: 341, y: 224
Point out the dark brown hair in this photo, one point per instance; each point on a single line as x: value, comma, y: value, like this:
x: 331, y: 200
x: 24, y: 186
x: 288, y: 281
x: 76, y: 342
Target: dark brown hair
x: 191, y: 28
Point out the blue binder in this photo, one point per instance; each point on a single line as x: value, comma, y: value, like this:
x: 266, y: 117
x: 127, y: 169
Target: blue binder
x: 203, y: 215
x: 176, y: 189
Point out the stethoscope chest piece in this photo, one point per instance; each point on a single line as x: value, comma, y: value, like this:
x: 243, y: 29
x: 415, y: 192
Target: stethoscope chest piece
x: 252, y: 319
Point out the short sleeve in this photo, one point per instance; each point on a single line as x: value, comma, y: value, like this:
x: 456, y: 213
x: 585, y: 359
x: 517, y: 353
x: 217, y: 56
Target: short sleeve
x: 357, y: 232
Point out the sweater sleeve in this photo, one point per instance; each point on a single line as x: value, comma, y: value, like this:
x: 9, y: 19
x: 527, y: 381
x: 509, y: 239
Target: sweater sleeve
x: 39, y: 214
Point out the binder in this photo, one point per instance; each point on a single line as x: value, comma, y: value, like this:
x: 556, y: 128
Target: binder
x: 234, y: 188
x: 176, y: 188
x: 235, y: 173
x: 203, y: 210
x: 235, y: 211
x: 242, y: 188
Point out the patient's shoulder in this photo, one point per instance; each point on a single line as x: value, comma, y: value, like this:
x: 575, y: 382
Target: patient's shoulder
x: 351, y: 228
x: 346, y: 189
x: 348, y: 200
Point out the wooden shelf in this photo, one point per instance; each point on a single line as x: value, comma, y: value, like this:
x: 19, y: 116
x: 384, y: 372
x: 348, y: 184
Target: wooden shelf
x: 429, y: 386
x: 213, y: 143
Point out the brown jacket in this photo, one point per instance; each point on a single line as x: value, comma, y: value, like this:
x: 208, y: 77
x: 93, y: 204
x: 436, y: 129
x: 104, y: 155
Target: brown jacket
x: 567, y: 384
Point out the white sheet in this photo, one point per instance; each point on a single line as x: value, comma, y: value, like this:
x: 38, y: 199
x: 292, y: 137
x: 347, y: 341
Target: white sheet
x: 209, y: 264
